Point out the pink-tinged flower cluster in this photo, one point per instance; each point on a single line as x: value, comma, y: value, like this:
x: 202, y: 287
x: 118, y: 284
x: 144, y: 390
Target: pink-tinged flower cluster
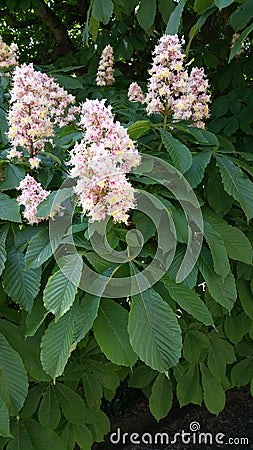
x: 193, y: 104
x: 32, y: 194
x: 100, y: 163
x: 106, y: 67
x: 135, y: 93
x: 171, y: 90
x: 8, y: 56
x: 13, y: 154
x: 37, y: 104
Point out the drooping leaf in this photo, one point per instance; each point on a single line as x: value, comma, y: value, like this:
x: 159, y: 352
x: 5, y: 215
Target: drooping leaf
x: 245, y: 296
x: 9, y: 209
x: 49, y: 412
x: 20, y: 284
x: 175, y: 18
x: 154, y: 332
x: 160, y: 400
x: 110, y: 328
x: 138, y: 128
x: 35, y: 317
x: 214, y: 395
x: 12, y: 175
x: 237, y: 244
x: 41, y: 438
x: 3, y: 254
x: 39, y: 250
x: 222, y: 290
x: 84, y: 315
x: 61, y: 288
x: 71, y: 403
x: 56, y: 345
x: 218, y: 250
x: 237, y: 185
x: 195, y: 174
x: 141, y: 377
x: 4, y: 420
x: 179, y: 153
x: 188, y: 300
x: 220, y: 354
x: 13, y: 378
x: 146, y: 14
x: 102, y: 10
x: 189, y: 388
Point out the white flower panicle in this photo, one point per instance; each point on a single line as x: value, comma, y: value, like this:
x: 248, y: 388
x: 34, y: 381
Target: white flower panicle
x: 171, y: 89
x: 32, y: 194
x: 106, y: 67
x: 37, y: 104
x: 135, y: 93
x: 8, y: 56
x: 100, y: 163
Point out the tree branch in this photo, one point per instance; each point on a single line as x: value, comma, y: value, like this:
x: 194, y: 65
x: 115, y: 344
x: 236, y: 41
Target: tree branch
x: 63, y: 41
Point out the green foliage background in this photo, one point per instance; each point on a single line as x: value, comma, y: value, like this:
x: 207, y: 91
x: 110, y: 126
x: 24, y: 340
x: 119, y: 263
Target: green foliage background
x: 64, y: 350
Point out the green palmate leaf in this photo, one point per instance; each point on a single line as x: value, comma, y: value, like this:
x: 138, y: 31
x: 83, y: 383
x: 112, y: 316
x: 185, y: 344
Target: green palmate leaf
x: 110, y: 328
x: 240, y: 18
x: 3, y: 254
x: 214, y: 395
x: 237, y: 185
x: 146, y: 14
x: 166, y: 7
x: 215, y: 194
x: 102, y: 10
x: 236, y: 327
x: 245, y: 296
x: 28, y: 349
x: 179, y: 153
x: 189, y: 388
x: 218, y: 250
x: 41, y: 438
x: 188, y: 300
x: 4, y: 420
x: 138, y: 128
x: 61, y: 288
x: 83, y: 436
x: 160, y: 400
x: 242, y: 372
x: 236, y: 243
x: 72, y: 405
x: 203, y: 137
x: 222, y: 290
x: 194, y: 342
x: 68, y: 436
x: 84, y: 315
x: 220, y: 354
x: 9, y: 209
x: 68, y: 82
x: 35, y: 317
x: 100, y: 424
x: 39, y: 250
x: 223, y: 3
x: 154, y: 331
x: 11, y: 176
x: 32, y: 401
x: 195, y: 174
x: 21, y: 439
x: 13, y: 378
x: 141, y: 377
x: 20, y: 284
x: 56, y: 345
x: 175, y: 18
x: 201, y: 5
x: 49, y: 412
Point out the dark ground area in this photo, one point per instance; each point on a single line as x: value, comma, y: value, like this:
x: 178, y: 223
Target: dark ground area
x: 233, y: 426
